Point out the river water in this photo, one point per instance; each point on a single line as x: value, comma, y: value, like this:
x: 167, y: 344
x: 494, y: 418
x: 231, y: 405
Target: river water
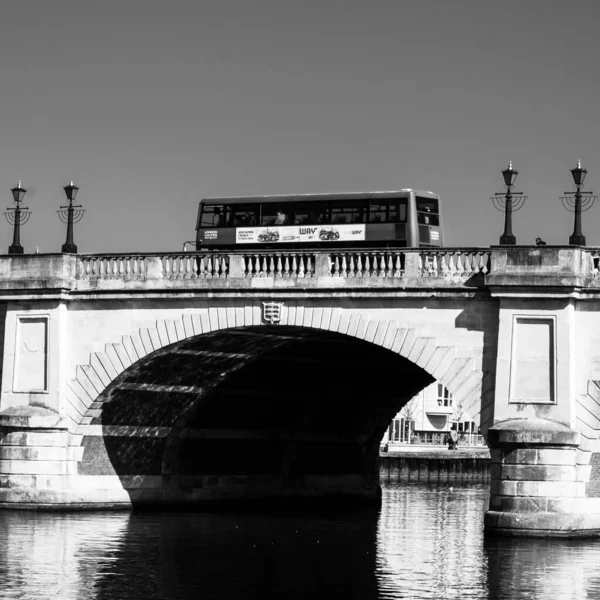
x: 426, y: 542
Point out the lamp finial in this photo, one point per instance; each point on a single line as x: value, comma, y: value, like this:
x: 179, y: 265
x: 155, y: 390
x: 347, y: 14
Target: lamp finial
x: 578, y: 164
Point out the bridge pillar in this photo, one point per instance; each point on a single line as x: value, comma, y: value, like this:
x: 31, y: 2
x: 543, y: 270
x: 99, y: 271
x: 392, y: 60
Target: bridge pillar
x: 534, y: 487
x: 539, y: 441
x: 35, y: 457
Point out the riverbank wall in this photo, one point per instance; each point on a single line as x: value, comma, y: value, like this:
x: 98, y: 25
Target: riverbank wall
x: 435, y: 466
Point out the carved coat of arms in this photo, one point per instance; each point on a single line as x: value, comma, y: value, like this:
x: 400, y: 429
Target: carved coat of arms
x: 272, y: 312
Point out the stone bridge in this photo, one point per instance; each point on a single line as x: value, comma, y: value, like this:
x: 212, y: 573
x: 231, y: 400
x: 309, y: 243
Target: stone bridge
x: 191, y: 379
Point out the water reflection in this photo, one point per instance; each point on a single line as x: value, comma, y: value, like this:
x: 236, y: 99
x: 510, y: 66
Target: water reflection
x: 245, y: 556
x: 54, y: 555
x: 426, y: 542
x: 430, y: 542
x: 543, y: 568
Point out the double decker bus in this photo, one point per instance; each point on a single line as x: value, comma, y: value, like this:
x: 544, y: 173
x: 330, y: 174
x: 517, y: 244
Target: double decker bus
x: 405, y: 218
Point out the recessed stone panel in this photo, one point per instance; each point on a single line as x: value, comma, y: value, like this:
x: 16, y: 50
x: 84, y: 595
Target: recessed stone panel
x: 533, y: 360
x: 31, y: 360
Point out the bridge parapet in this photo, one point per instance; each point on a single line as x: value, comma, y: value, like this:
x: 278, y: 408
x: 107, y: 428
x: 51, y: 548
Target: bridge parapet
x: 286, y: 264
x: 495, y: 268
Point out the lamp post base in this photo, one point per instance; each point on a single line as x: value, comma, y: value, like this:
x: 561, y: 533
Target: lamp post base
x: 508, y: 239
x: 15, y: 249
x: 577, y: 239
x: 71, y: 248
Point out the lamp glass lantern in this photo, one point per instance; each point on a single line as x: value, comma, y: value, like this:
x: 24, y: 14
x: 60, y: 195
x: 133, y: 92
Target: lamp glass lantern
x: 18, y: 193
x: 71, y: 191
x: 510, y: 175
x: 578, y: 174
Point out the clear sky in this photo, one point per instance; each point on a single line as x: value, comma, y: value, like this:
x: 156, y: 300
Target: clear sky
x: 151, y: 105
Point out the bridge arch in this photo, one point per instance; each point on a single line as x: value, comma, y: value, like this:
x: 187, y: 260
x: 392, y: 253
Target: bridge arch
x: 122, y: 369
x: 460, y: 373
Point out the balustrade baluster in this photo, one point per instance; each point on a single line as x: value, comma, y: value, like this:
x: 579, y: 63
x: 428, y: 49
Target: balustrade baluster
x: 345, y: 272
x: 479, y: 261
x: 286, y: 266
x: 445, y: 263
x: 487, y: 261
x: 466, y: 264
x: 279, y: 267
x: 271, y: 266
x: 294, y: 266
x: 471, y: 266
x: 200, y: 266
x: 309, y: 268
x: 336, y: 266
x: 454, y: 263
x: 301, y: 259
x: 367, y: 266
x: 398, y: 266
x: 359, y: 267
x: 459, y: 264
x: 593, y: 263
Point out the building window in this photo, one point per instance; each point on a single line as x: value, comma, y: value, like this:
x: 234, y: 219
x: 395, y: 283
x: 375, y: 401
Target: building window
x: 400, y: 430
x: 444, y: 397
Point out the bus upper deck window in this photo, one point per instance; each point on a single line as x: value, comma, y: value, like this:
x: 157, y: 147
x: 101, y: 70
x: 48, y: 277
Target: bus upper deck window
x: 274, y: 214
x: 212, y: 216
x: 379, y: 211
x: 244, y: 215
x: 310, y: 213
x: 398, y: 210
x: 348, y: 211
x: 427, y: 211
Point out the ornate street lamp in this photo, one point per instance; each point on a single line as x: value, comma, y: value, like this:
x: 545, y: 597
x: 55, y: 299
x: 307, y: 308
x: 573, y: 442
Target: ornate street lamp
x: 580, y: 202
x: 509, y: 204
x: 73, y: 213
x: 17, y: 215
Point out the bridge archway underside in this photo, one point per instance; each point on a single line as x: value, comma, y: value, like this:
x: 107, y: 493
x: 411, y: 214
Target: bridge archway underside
x: 263, y: 411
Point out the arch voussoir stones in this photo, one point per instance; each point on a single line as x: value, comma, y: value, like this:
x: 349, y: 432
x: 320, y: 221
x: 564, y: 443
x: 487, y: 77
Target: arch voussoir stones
x: 459, y: 374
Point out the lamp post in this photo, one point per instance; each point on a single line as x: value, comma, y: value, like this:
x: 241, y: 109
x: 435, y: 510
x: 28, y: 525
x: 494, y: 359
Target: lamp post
x: 17, y: 215
x: 191, y: 243
x: 509, y: 204
x: 73, y: 213
x: 580, y: 202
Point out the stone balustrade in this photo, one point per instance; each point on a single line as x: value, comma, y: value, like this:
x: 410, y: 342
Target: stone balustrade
x: 287, y: 264
x: 414, y: 267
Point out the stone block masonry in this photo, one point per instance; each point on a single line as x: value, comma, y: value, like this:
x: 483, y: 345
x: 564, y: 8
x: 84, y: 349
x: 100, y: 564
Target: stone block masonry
x: 126, y: 379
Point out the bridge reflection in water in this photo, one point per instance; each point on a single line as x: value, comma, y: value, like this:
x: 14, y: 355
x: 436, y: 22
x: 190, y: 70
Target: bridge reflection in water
x: 425, y: 542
